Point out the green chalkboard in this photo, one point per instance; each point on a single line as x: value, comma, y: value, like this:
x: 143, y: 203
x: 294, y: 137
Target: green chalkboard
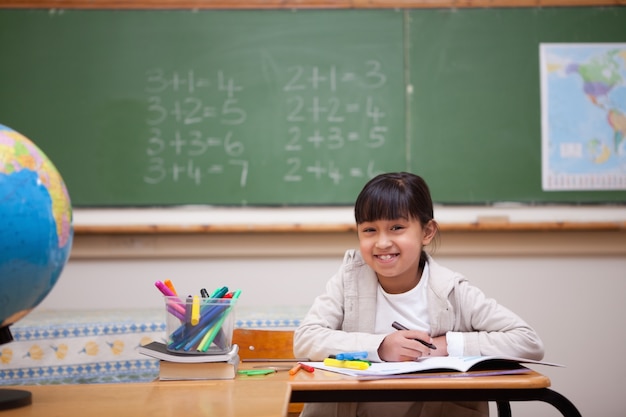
x: 476, y: 108
x: 283, y: 107
x: 207, y: 107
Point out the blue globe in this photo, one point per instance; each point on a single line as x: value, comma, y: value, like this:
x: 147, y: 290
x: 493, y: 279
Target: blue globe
x: 36, y: 229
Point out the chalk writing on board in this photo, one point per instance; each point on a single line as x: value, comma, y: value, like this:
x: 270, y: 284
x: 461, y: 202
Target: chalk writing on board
x: 192, y: 102
x: 329, y: 110
x: 196, y: 125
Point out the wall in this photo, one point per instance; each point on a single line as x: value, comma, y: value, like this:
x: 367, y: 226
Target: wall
x: 568, y: 284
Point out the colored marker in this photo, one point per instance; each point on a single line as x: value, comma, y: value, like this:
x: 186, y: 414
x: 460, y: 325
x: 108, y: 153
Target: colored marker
x: 169, y: 285
x: 176, y: 313
x: 187, y: 332
x: 207, y: 321
x: 168, y: 293
x: 252, y: 372
x: 210, y: 336
x: 188, y: 306
x: 188, y: 336
x: 306, y: 367
x: 351, y: 356
x: 295, y: 369
x: 219, y: 293
x: 195, y: 310
x: 333, y: 362
x: 164, y: 289
x: 360, y: 365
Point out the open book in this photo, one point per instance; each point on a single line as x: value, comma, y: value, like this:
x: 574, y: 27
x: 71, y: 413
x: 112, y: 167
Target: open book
x: 436, y: 363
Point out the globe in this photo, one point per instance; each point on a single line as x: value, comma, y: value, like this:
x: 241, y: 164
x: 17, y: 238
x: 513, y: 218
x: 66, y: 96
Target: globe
x: 36, y: 229
x: 36, y: 235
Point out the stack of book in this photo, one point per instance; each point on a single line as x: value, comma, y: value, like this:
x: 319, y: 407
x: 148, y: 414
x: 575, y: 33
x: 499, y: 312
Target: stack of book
x: 192, y: 366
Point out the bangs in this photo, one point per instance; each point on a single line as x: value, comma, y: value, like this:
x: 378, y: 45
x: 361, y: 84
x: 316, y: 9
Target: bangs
x: 387, y: 202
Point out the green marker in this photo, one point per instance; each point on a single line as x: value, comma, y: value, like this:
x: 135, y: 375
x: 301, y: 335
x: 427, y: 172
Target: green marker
x: 252, y: 372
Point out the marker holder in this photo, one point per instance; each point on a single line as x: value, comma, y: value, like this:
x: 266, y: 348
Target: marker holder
x: 208, y: 332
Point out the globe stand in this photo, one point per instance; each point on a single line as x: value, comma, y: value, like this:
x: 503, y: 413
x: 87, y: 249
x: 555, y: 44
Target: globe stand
x: 14, y: 398
x: 5, y: 335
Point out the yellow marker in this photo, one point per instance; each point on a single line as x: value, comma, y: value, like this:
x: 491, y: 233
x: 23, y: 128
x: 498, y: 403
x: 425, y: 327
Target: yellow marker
x: 333, y: 362
x: 195, y: 310
x: 360, y: 365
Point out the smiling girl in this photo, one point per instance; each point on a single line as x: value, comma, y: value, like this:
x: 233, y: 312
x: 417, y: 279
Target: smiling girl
x: 390, y: 279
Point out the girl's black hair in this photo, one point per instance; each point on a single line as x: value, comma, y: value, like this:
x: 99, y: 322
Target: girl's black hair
x: 394, y: 195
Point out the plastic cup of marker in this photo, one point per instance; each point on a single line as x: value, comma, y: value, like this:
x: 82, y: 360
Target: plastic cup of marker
x: 199, y: 325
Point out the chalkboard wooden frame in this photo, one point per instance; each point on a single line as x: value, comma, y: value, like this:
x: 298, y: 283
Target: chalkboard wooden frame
x: 297, y: 4
x: 485, y: 226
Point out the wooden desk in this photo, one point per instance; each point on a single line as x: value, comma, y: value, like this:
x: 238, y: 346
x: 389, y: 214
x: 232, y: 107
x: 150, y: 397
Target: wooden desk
x: 239, y: 398
x: 269, y: 395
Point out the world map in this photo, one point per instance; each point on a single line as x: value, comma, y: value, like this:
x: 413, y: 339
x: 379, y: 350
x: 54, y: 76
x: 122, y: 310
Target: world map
x: 583, y: 88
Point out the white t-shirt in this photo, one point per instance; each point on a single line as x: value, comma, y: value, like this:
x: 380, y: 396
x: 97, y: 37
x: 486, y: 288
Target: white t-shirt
x: 411, y: 310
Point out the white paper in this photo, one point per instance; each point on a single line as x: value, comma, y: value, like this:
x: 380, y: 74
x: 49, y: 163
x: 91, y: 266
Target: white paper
x: 461, y: 364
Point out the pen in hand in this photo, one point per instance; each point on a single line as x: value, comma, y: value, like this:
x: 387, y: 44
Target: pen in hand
x: 398, y: 326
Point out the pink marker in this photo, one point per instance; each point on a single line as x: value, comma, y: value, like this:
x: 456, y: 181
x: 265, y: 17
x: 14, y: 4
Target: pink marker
x: 177, y: 304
